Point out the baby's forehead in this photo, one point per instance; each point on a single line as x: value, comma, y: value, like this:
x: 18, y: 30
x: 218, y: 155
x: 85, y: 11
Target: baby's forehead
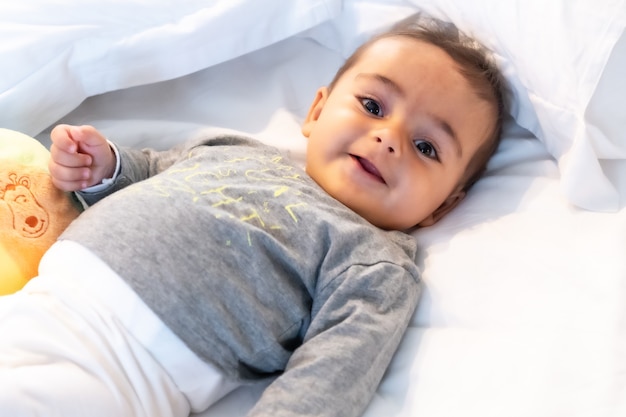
x: 401, y: 51
x: 415, y: 58
x: 379, y: 51
x: 394, y: 42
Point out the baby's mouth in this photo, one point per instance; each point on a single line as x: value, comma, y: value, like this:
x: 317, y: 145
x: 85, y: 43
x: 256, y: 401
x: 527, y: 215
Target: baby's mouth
x: 370, y: 168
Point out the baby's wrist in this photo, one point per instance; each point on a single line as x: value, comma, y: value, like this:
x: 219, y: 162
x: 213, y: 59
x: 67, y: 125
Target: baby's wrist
x: 113, y: 163
x: 110, y: 176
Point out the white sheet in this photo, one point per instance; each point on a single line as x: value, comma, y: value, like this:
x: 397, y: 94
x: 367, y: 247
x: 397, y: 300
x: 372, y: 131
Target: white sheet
x: 524, y: 306
x: 56, y: 53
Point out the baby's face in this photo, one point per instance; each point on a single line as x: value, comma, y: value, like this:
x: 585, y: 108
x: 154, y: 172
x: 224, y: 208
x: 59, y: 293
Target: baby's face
x: 393, y: 138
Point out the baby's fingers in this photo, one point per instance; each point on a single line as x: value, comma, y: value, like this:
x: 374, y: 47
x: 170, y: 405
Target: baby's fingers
x: 79, y: 157
x: 62, y: 139
x: 69, y: 178
x: 67, y: 157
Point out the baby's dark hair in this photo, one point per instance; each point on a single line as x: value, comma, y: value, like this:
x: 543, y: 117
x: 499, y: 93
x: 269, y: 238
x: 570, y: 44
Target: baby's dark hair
x: 475, y: 64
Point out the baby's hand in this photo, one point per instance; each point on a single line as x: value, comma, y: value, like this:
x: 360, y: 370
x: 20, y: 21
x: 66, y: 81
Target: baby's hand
x: 79, y: 157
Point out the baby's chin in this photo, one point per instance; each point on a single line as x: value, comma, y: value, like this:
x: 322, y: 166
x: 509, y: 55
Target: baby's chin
x: 378, y: 217
x: 364, y: 204
x: 386, y: 224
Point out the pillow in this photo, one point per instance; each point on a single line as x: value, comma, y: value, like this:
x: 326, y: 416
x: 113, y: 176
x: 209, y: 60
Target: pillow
x: 55, y: 54
x: 553, y: 55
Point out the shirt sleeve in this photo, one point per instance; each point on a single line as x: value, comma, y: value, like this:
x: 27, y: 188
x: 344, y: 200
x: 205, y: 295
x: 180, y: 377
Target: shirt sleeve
x: 355, y: 329
x: 132, y: 165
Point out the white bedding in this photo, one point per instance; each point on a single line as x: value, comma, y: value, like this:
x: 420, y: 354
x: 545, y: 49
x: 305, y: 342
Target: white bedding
x: 524, y: 309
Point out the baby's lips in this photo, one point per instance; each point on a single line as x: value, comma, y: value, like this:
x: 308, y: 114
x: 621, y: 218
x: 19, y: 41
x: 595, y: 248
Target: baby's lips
x: 370, y: 168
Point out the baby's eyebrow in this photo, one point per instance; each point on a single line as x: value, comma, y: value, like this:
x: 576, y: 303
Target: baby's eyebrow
x: 384, y: 80
x: 447, y: 128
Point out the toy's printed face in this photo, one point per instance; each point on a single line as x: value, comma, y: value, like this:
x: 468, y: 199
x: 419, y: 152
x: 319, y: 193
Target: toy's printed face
x: 30, y: 219
x: 33, y: 212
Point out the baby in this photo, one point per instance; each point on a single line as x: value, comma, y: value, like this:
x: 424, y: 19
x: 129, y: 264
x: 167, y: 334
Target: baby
x: 220, y: 262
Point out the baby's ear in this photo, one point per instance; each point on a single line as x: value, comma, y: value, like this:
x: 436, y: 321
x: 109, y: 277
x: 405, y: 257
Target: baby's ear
x: 315, y: 110
x: 447, y: 206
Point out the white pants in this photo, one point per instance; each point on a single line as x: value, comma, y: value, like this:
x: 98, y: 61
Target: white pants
x: 77, y: 341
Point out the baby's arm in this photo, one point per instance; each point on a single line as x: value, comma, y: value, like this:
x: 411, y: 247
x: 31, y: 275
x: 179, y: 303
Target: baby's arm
x: 84, y: 161
x: 80, y: 157
x: 352, y: 337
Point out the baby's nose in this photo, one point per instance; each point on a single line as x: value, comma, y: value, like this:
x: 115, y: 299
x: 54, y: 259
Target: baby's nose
x: 390, y: 147
x: 392, y: 134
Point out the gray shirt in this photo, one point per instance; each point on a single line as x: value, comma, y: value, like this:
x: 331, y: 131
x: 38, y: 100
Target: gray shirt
x: 258, y: 270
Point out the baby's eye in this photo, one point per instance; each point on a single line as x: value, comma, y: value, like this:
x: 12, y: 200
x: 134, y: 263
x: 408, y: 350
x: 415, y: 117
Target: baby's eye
x: 371, y: 106
x: 426, y: 149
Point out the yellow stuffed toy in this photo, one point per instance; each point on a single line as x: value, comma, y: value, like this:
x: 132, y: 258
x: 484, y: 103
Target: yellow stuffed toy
x: 33, y: 212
